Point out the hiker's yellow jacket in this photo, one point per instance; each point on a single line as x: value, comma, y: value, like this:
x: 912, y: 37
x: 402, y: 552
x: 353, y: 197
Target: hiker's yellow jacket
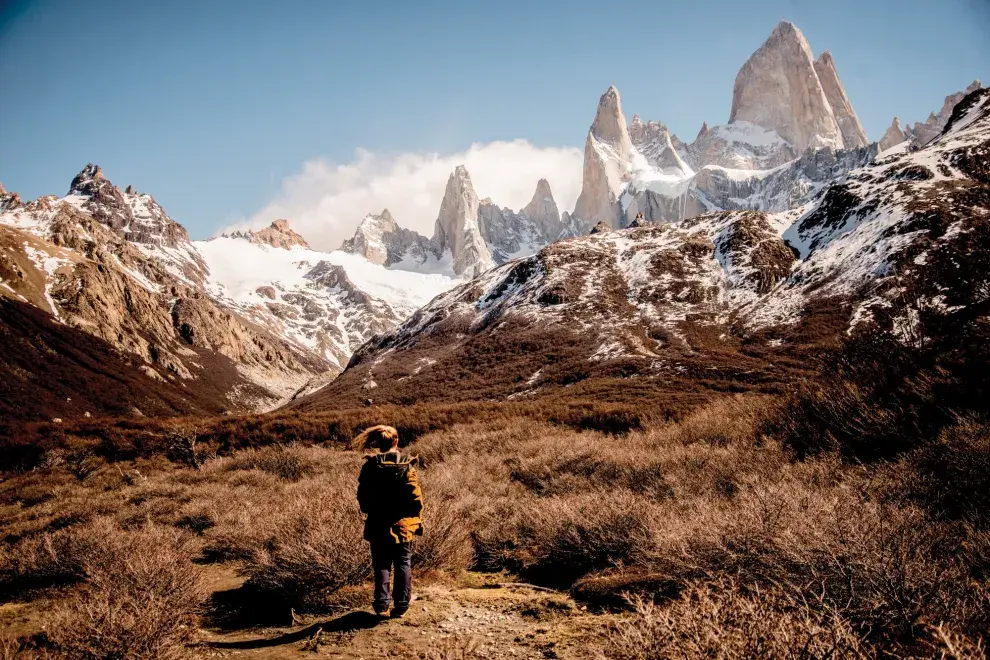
x: 389, y: 495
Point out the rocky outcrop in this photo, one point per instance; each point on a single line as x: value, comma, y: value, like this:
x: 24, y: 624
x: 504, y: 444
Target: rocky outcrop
x: 778, y: 88
x: 9, y: 201
x: 381, y: 240
x: 509, y: 234
x: 894, y: 135
x: 922, y: 133
x: 279, y: 235
x: 853, y: 135
x: 608, y: 154
x: 134, y: 216
x: 457, y: 229
x: 542, y: 212
x: 655, y: 143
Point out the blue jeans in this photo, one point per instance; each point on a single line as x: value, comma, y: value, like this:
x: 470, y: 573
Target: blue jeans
x: 385, y: 555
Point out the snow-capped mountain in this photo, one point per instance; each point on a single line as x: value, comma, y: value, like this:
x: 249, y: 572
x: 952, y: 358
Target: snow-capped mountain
x: 249, y: 318
x: 327, y: 302
x: 791, y: 131
x: 113, y: 264
x: 721, y: 298
x: 786, y: 212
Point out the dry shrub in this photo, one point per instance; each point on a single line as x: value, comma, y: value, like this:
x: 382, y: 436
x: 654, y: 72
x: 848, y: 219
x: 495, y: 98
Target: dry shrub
x: 140, y: 600
x: 730, y: 420
x: 725, y: 622
x: 446, y: 540
x: 286, y: 462
x: 15, y: 649
x: 554, y: 541
x: 51, y: 559
x: 316, y: 548
x: 951, y: 477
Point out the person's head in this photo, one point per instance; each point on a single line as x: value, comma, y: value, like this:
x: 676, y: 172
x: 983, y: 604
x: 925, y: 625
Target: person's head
x: 381, y: 437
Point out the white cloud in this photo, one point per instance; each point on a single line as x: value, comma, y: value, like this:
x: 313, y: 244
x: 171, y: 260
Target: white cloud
x: 326, y: 201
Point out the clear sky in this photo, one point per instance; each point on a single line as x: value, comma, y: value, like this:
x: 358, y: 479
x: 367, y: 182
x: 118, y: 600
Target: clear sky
x: 216, y: 107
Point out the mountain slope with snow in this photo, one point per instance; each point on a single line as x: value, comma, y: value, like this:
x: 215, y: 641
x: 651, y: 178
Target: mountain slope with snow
x: 722, y: 300
x: 327, y: 302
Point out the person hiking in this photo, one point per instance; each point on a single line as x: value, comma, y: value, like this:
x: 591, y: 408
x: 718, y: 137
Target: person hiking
x: 390, y: 498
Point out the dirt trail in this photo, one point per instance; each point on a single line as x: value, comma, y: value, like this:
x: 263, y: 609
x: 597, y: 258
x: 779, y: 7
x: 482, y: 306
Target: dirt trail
x: 474, y: 616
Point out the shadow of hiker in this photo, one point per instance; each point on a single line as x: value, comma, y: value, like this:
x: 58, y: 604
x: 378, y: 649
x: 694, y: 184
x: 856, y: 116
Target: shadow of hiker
x: 344, y: 623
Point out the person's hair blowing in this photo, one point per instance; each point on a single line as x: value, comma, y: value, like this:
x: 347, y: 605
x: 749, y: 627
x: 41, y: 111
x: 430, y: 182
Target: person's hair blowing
x: 376, y: 437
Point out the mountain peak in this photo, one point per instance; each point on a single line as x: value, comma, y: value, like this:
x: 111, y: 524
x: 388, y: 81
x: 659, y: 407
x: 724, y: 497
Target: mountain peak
x: 787, y: 30
x: 779, y: 89
x: 88, y: 177
x: 457, y: 228
x: 853, y: 135
x: 610, y: 124
x: 894, y: 135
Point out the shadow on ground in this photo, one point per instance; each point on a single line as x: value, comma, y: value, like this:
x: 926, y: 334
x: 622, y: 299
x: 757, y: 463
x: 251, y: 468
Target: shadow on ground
x: 344, y: 623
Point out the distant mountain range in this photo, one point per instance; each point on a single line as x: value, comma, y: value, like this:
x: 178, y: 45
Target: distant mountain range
x: 785, y: 216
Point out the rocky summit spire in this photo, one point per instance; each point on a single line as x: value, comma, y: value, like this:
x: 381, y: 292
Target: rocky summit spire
x: 607, y: 158
x: 88, y: 179
x: 610, y: 124
x: 894, y: 135
x: 853, y: 135
x: 457, y: 228
x: 778, y: 88
x: 542, y: 211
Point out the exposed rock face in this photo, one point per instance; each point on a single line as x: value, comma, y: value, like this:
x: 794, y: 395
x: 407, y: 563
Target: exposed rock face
x: 894, y: 135
x: 655, y: 143
x: 509, y: 234
x: 9, y: 201
x: 783, y: 188
x: 778, y: 89
x: 381, y: 240
x: 134, y: 216
x: 742, y: 145
x: 278, y: 235
x: 457, y: 228
x: 608, y: 153
x: 921, y: 133
x: 853, y: 135
x: 542, y: 212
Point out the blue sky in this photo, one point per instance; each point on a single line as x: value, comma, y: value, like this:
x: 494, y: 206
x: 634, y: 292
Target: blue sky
x: 210, y: 106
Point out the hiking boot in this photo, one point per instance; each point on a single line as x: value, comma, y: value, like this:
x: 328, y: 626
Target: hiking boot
x: 399, y: 612
x: 382, y: 612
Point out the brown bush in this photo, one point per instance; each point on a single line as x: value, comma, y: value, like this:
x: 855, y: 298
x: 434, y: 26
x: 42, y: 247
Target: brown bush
x: 951, y: 477
x: 285, y: 462
x: 140, y: 599
x: 316, y: 548
x: 723, y: 621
